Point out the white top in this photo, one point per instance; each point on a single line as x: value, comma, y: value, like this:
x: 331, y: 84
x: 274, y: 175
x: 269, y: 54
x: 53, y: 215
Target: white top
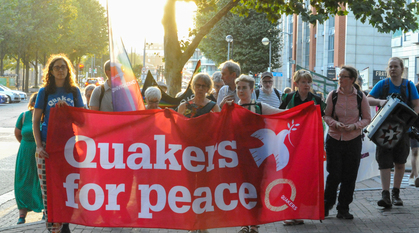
x: 270, y: 99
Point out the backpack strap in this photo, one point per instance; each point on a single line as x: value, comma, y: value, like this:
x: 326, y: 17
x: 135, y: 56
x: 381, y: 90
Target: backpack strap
x: 253, y: 106
x: 359, y: 96
x: 290, y: 100
x: 334, y: 101
x: 102, y: 93
x: 277, y: 94
x: 206, y: 109
x: 386, y: 88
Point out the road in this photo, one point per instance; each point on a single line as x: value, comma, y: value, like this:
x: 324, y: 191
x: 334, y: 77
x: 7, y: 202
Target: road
x: 9, y: 147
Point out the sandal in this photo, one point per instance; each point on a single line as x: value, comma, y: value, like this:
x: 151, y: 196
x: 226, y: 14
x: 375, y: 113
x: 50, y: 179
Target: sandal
x: 21, y: 219
x: 254, y: 229
x: 244, y: 229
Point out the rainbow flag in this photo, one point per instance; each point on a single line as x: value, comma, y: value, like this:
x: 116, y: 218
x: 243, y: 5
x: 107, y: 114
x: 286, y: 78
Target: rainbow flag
x: 126, y: 93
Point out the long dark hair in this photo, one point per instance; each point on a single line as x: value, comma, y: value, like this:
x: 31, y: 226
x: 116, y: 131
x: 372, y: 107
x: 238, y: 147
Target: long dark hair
x: 70, y: 84
x: 353, y: 75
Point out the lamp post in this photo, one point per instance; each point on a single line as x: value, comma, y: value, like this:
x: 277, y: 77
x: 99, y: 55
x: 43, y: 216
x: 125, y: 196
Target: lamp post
x: 290, y: 60
x: 265, y: 41
x: 229, y: 40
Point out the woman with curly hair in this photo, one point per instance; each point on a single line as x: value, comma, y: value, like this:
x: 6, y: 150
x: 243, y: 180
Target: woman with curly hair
x: 59, y: 89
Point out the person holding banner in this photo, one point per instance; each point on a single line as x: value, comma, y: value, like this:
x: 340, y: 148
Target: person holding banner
x: 346, y: 114
x: 244, y: 89
x: 59, y: 89
x: 152, y: 98
x: 199, y: 104
x: 395, y: 157
x: 302, y: 80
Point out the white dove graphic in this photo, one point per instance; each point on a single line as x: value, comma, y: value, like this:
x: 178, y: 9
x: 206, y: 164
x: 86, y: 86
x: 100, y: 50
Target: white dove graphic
x: 272, y: 144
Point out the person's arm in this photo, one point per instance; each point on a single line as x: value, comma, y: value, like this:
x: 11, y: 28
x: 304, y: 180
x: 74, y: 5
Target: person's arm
x: 18, y: 127
x: 216, y: 108
x: 375, y: 102
x: 269, y: 110
x: 182, y: 107
x: 332, y: 123
x: 18, y: 134
x: 36, y: 125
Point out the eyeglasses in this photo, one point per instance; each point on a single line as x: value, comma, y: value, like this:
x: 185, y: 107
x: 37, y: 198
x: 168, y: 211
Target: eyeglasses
x: 268, y: 82
x: 58, y: 68
x: 203, y: 86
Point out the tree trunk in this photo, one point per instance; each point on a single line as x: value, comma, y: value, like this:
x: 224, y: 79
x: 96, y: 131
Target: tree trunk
x: 17, y: 71
x: 36, y: 69
x: 27, y: 66
x: 174, y: 58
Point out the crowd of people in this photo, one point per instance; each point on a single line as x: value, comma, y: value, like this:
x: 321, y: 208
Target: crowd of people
x: 346, y: 112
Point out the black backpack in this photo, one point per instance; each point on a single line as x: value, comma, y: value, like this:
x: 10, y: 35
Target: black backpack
x: 403, y: 93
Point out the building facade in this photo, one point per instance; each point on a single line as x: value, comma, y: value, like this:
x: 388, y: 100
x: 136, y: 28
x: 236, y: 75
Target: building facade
x: 406, y: 46
x: 323, y: 48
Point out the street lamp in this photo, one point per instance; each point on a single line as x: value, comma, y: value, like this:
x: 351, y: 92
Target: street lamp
x: 229, y: 40
x: 265, y: 41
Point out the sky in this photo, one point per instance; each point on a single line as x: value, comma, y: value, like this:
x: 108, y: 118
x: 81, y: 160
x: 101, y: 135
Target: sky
x: 135, y: 20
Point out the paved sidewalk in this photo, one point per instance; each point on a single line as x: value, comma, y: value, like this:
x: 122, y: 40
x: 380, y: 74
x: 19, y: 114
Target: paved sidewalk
x: 368, y: 217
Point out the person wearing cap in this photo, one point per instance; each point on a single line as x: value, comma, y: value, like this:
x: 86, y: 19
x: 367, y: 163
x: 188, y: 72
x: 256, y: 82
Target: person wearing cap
x: 268, y: 94
x: 230, y: 70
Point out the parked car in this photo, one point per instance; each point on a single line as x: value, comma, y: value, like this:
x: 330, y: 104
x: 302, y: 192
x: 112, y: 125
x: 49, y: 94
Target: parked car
x: 12, y: 96
x: 23, y: 95
x: 3, y: 98
x: 93, y: 81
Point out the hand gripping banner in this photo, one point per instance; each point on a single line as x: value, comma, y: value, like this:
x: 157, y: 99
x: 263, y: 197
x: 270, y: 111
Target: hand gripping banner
x: 159, y: 169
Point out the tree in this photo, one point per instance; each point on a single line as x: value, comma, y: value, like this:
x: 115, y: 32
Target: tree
x: 248, y: 33
x: 385, y: 15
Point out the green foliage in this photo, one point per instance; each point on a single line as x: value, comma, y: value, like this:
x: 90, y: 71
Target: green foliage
x: 43, y: 27
x: 385, y: 15
x: 247, y: 48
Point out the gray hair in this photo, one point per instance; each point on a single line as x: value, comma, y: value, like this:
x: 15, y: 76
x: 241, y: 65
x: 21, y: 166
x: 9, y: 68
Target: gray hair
x: 89, y: 87
x: 232, y: 67
x: 153, y: 92
x: 216, y: 77
x: 204, y: 77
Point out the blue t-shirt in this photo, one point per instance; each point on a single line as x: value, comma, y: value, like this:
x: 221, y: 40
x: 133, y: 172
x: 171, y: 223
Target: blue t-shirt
x: 60, y: 94
x: 377, y: 90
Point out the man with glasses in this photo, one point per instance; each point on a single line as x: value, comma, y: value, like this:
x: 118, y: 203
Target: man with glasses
x: 268, y: 94
x: 101, y: 99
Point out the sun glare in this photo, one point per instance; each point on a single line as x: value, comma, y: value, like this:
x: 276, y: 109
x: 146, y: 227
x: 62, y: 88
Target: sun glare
x: 135, y: 20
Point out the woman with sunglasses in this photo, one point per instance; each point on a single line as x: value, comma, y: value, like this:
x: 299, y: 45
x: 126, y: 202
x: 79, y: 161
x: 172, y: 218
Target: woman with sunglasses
x: 59, y: 89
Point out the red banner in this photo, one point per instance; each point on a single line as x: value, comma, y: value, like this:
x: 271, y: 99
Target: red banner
x: 158, y: 169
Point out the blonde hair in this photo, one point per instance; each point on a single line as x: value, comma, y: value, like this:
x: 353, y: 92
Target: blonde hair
x: 302, y: 74
x: 245, y: 78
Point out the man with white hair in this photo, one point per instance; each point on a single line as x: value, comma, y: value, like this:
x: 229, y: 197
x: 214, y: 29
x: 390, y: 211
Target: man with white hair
x: 268, y: 94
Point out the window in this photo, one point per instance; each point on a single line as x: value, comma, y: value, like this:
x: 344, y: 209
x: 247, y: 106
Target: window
x: 331, y: 43
x: 307, y: 46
